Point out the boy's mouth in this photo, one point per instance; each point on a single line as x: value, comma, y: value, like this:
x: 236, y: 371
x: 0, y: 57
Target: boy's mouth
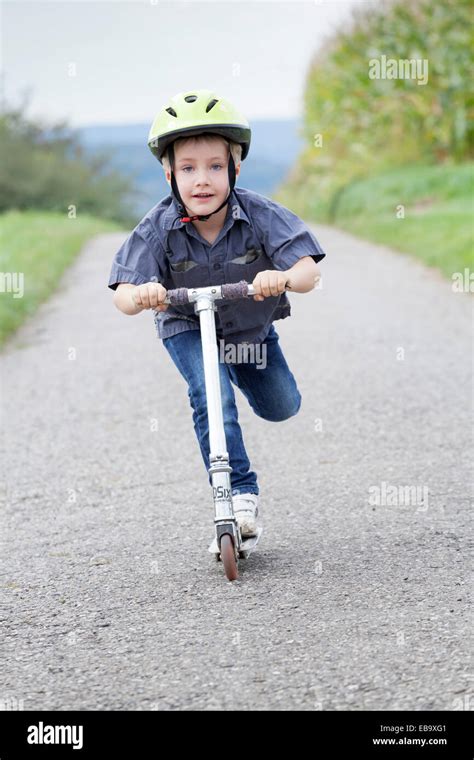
x: 203, y: 196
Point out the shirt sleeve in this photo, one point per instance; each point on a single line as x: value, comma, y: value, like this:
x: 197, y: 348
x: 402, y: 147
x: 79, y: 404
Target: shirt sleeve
x: 286, y: 237
x: 137, y: 261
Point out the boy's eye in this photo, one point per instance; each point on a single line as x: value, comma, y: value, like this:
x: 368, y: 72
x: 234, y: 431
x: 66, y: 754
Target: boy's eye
x: 184, y: 168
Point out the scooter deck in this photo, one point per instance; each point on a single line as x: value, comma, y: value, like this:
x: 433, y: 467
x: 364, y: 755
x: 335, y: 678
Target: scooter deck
x: 247, y: 545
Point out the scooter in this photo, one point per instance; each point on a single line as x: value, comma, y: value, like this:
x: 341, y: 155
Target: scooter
x: 228, y: 545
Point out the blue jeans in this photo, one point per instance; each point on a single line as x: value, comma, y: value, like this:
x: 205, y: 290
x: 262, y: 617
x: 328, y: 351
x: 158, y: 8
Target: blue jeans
x: 270, y: 390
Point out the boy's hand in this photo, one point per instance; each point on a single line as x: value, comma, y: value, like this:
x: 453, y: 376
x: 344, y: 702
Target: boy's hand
x: 270, y: 282
x: 149, y: 296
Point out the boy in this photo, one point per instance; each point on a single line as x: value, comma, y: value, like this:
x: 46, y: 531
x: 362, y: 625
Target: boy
x: 204, y: 233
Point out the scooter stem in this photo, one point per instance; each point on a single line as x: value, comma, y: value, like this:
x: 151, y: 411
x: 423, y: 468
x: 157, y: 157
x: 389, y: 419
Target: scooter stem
x: 220, y: 468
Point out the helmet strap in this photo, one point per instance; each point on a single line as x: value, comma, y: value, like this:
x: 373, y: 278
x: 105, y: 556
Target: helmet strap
x: 176, y: 194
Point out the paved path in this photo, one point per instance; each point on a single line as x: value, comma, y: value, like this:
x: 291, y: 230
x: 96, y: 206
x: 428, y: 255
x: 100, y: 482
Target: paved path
x: 109, y: 597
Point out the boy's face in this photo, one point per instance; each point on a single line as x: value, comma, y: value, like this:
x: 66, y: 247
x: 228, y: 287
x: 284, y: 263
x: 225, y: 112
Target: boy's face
x: 201, y: 167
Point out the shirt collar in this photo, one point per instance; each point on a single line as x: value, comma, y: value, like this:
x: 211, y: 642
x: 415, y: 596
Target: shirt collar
x: 171, y: 215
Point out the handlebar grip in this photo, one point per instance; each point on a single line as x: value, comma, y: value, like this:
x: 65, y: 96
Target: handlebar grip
x: 177, y: 296
x: 235, y: 290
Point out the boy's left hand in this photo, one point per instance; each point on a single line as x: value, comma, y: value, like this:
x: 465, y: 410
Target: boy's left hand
x: 270, y: 282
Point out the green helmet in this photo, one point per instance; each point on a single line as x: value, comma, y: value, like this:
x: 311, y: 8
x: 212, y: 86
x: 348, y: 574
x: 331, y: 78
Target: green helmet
x: 193, y: 113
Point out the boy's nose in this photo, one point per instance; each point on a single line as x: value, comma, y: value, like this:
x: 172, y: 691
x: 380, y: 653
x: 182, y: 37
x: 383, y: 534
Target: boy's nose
x: 202, y: 175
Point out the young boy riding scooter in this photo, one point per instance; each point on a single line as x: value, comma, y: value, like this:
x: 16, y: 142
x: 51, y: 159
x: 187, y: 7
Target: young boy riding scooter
x: 208, y: 232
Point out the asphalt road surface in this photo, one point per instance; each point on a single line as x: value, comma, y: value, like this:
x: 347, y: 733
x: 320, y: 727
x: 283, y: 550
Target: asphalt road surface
x: 357, y: 597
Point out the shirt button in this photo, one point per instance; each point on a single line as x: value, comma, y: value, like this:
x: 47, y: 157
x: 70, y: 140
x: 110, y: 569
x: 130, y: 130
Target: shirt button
x: 229, y: 324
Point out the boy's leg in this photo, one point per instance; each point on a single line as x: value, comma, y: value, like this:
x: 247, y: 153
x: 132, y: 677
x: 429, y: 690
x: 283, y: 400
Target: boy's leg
x: 186, y: 352
x: 267, y: 383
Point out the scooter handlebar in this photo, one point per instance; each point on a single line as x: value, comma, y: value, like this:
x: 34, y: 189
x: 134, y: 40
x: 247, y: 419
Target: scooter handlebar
x: 229, y: 291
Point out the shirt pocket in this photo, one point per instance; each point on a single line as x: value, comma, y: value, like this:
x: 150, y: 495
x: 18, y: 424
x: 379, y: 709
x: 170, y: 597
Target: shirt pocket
x: 186, y: 273
x: 249, y: 314
x: 247, y: 265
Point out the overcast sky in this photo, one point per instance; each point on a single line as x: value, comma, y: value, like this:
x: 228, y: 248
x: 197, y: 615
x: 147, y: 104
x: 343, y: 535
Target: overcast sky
x: 116, y: 62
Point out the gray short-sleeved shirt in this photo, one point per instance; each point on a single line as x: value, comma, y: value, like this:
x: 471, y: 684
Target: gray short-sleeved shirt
x: 258, y: 234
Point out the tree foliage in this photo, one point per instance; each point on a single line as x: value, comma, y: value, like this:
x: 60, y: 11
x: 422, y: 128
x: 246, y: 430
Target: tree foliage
x: 45, y: 167
x: 371, y: 124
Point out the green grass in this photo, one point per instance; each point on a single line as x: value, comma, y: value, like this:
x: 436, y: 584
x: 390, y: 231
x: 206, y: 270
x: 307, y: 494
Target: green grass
x: 438, y: 211
x: 40, y: 245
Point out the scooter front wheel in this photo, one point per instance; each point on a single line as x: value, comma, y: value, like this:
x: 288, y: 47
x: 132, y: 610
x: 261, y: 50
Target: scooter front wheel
x: 228, y: 557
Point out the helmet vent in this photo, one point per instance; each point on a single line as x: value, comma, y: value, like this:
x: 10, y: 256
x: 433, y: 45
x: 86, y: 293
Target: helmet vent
x: 172, y: 112
x: 190, y: 98
x: 211, y: 104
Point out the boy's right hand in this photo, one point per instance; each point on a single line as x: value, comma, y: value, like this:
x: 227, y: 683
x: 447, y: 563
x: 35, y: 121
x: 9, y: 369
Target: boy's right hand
x: 149, y: 296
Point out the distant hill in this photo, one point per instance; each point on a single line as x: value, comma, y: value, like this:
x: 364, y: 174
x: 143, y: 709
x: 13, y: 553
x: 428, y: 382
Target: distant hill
x: 274, y: 148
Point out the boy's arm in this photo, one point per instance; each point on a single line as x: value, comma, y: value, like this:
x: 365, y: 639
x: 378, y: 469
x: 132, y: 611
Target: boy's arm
x: 137, y: 271
x: 300, y: 278
x: 132, y: 299
x: 303, y: 276
x: 123, y: 299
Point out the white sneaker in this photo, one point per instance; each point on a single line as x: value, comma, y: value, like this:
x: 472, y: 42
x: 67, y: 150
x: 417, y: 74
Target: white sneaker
x: 246, y: 513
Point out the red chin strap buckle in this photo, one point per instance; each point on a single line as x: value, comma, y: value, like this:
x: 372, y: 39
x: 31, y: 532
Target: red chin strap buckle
x: 192, y: 218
